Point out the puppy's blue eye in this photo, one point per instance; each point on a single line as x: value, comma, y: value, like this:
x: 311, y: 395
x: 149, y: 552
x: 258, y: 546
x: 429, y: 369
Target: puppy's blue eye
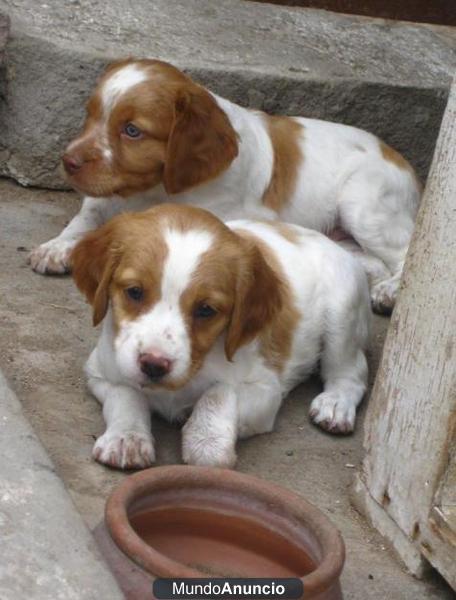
x: 135, y: 293
x: 204, y: 311
x: 131, y: 130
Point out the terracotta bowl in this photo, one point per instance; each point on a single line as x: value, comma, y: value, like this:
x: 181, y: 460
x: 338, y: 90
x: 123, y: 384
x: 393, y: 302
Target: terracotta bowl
x: 184, y: 521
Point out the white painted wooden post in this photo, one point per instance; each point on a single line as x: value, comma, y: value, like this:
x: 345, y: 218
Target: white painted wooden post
x: 411, y: 421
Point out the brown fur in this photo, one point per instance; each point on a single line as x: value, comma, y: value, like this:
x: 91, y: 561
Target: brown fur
x: 258, y: 298
x: 92, y: 267
x: 285, y: 133
x: 123, y: 253
x: 276, y: 333
x: 202, y: 142
x: 186, y: 138
x: 393, y: 156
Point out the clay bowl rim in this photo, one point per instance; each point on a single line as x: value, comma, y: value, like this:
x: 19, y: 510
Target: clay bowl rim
x: 137, y: 485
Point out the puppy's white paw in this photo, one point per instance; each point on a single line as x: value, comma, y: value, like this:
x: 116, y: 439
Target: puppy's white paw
x: 125, y: 449
x: 333, y: 413
x: 53, y: 257
x: 207, y: 450
x: 383, y: 296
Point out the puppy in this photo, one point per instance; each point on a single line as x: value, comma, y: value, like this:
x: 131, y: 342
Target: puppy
x: 153, y: 135
x: 220, y: 320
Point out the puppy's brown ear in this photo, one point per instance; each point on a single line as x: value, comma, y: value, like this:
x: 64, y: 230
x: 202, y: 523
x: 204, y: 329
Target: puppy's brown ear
x: 93, y: 263
x: 259, y: 298
x: 202, y: 142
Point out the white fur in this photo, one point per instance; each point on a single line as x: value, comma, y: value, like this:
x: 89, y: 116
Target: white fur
x: 120, y: 82
x: 239, y: 398
x: 343, y: 180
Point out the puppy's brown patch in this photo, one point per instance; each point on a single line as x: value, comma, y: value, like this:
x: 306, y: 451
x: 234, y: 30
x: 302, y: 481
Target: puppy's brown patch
x: 285, y: 134
x: 202, y: 142
x: 393, y: 156
x: 276, y: 337
x: 128, y: 251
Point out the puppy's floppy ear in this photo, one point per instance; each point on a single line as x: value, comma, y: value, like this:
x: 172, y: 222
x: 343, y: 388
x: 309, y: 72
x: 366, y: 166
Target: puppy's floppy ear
x: 259, y: 298
x: 202, y: 142
x: 93, y: 262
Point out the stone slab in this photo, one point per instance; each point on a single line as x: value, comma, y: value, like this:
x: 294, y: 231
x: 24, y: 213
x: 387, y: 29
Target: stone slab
x: 47, y: 553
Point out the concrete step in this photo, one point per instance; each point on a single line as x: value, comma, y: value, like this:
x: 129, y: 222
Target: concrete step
x: 47, y: 552
x: 4, y: 36
x: 391, y: 78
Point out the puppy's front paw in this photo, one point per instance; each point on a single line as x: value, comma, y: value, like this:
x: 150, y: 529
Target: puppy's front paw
x: 53, y: 257
x: 207, y: 450
x: 125, y: 450
x: 333, y: 413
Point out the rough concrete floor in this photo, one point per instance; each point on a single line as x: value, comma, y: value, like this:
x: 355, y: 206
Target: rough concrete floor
x: 46, y: 335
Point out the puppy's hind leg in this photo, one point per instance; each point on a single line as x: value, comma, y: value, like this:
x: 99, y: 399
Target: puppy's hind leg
x: 378, y: 208
x: 343, y: 364
x: 375, y: 269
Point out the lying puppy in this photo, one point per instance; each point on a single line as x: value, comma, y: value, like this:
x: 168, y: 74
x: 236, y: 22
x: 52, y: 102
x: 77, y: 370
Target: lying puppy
x: 152, y: 135
x: 221, y: 319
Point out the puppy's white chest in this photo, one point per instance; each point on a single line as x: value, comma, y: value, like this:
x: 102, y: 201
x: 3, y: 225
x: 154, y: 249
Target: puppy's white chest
x: 175, y: 406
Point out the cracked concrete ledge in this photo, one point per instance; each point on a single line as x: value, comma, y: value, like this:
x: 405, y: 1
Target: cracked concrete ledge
x: 391, y: 78
x: 47, y: 552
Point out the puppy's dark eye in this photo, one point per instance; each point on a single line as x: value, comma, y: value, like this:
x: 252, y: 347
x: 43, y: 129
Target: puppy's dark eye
x: 204, y: 311
x: 131, y: 130
x: 135, y: 293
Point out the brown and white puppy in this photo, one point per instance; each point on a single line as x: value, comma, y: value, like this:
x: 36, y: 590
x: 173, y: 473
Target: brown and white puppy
x: 223, y: 320
x: 154, y: 135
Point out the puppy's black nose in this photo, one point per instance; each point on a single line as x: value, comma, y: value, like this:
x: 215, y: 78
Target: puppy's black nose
x: 154, y: 366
